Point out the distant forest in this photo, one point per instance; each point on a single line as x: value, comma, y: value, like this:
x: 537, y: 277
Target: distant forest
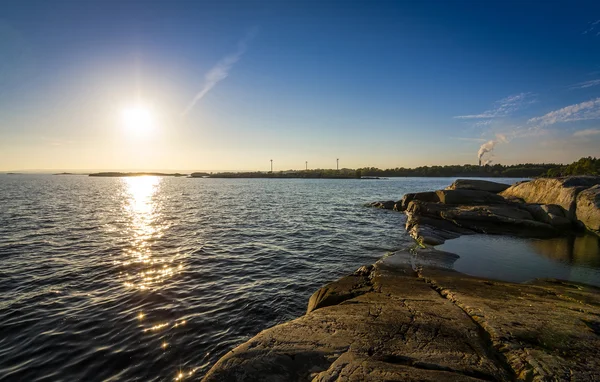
x: 584, y: 166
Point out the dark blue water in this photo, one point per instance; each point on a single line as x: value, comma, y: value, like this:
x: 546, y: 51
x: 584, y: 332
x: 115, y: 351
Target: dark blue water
x: 152, y: 278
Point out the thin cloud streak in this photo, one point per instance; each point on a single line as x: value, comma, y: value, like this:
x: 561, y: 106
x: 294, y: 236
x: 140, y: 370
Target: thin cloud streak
x: 586, y: 132
x: 592, y: 26
x: 221, y: 70
x: 586, y: 84
x: 579, y: 112
x: 503, y: 107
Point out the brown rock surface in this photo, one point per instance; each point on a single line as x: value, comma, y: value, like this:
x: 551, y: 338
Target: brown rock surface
x: 478, y: 185
x: 427, y: 323
x: 469, y: 197
x: 560, y: 191
x: 588, y: 208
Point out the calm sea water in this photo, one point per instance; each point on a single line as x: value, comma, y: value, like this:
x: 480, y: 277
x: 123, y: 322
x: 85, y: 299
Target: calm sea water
x: 148, y: 278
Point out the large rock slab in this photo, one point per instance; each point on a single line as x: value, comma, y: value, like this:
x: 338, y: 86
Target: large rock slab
x: 498, y: 219
x: 478, y: 185
x: 427, y: 323
x: 468, y: 197
x: 588, y: 208
x: 560, y: 191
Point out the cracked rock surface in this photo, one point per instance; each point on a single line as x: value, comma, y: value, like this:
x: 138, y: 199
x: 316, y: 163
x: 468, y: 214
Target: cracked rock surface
x: 409, y: 317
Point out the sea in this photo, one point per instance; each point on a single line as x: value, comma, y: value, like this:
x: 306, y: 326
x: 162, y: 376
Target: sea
x: 155, y: 278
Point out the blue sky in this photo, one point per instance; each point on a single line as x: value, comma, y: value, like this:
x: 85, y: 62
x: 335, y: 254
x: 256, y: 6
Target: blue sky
x: 229, y: 85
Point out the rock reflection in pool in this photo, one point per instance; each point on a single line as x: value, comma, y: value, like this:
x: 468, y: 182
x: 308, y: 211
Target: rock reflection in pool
x: 519, y: 260
x: 576, y: 250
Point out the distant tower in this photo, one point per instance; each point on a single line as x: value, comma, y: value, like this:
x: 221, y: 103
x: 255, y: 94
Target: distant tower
x: 338, y: 163
x: 306, y: 163
x: 479, y: 162
x: 271, y: 165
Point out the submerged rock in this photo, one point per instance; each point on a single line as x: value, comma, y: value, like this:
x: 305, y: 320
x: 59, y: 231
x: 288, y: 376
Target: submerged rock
x: 428, y: 323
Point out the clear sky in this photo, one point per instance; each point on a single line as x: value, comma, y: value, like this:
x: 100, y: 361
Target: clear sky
x: 229, y: 85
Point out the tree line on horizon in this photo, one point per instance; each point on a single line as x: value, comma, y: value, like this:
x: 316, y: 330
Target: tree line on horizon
x: 584, y: 166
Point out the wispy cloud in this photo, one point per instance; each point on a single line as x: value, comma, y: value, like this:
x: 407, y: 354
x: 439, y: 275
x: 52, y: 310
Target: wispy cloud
x: 483, y: 123
x: 503, y: 107
x: 578, y: 112
x: 592, y: 25
x: 586, y: 132
x: 221, y: 70
x: 586, y: 84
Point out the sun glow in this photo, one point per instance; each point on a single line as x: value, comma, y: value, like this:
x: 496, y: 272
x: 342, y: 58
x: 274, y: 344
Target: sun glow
x: 137, y: 120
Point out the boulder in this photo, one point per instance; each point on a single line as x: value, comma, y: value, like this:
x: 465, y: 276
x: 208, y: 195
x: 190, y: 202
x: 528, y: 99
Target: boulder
x: 550, y: 214
x: 429, y: 196
x: 468, y: 197
x: 344, y: 289
x: 429, y: 323
x: 495, y: 219
x: 478, y: 185
x: 588, y: 208
x: 432, y: 231
x: 426, y: 235
x: 561, y: 191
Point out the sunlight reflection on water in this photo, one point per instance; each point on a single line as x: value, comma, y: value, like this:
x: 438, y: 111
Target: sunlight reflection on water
x: 143, y: 269
x: 142, y: 207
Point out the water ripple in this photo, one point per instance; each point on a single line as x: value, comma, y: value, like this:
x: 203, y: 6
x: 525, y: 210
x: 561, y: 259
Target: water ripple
x: 146, y: 278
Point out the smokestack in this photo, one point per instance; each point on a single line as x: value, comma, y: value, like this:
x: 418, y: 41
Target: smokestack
x: 479, y: 162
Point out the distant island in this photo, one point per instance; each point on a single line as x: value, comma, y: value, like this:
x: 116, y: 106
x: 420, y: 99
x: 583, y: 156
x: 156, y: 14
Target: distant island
x: 125, y: 174
x: 67, y: 173
x: 584, y: 166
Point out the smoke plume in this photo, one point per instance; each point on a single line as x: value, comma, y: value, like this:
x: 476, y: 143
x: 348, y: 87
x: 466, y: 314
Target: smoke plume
x: 488, y: 147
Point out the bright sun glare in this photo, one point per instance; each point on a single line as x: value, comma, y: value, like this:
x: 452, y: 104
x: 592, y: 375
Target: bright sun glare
x: 137, y: 120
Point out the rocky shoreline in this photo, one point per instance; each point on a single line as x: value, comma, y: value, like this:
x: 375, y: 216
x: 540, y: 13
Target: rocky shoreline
x: 545, y: 207
x: 411, y: 317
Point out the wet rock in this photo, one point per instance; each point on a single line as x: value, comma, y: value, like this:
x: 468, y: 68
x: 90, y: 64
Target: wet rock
x: 429, y: 323
x: 386, y: 205
x: 478, y: 185
x: 588, y: 208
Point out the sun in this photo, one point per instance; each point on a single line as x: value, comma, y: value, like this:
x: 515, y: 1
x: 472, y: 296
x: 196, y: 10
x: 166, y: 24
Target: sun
x: 137, y: 120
